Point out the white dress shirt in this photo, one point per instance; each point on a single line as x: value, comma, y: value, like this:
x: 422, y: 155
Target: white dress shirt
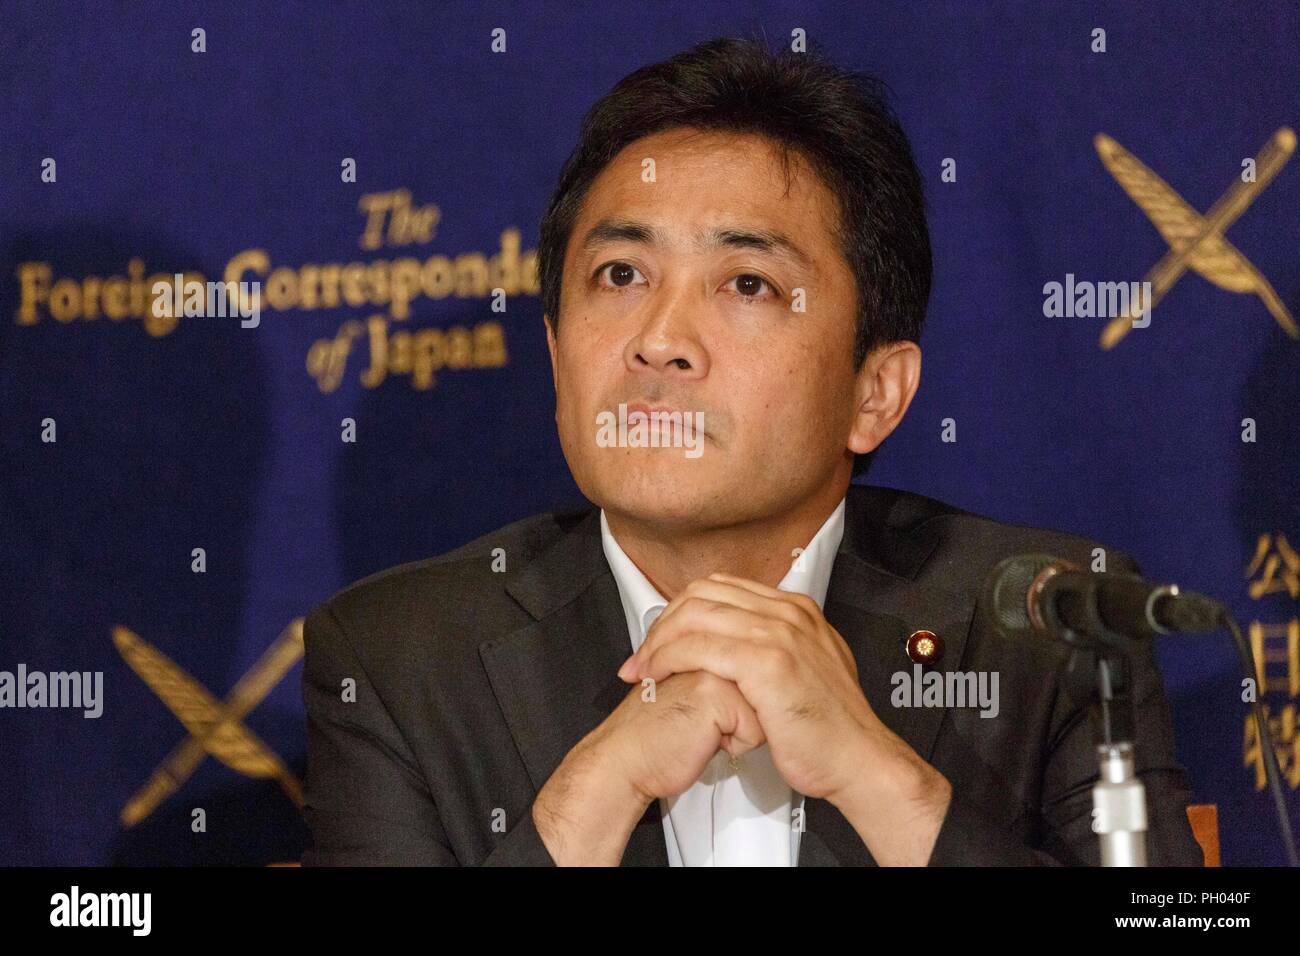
x: 729, y: 817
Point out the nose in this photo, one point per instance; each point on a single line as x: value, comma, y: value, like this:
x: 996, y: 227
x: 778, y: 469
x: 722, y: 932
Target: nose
x: 668, y: 343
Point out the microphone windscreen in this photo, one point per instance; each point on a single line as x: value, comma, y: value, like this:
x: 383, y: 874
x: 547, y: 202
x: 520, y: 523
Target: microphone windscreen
x: 1006, y: 592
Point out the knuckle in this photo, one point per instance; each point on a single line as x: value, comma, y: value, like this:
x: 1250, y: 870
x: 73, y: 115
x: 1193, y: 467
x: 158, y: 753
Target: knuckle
x: 709, y: 684
x: 776, y: 663
x: 696, y: 603
x: 806, y: 604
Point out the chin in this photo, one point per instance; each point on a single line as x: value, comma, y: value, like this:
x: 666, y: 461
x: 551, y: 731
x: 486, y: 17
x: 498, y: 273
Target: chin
x: 657, y: 489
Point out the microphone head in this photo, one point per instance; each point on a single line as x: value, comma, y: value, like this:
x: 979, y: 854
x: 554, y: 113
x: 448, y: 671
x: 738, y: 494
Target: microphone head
x: 1006, y: 592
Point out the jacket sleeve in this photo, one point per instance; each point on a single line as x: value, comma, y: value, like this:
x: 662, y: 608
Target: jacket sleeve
x: 1063, y: 829
x: 366, y: 801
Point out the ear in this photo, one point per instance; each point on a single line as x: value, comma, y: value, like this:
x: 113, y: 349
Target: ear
x: 551, y: 347
x: 885, y: 385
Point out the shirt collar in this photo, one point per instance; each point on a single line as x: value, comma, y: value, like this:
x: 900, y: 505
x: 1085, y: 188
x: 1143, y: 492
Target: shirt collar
x: 810, y: 574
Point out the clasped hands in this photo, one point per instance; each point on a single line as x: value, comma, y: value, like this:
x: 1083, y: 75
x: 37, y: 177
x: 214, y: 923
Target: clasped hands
x: 800, y: 680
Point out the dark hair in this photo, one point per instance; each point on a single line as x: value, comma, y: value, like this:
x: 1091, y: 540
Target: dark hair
x: 839, y: 121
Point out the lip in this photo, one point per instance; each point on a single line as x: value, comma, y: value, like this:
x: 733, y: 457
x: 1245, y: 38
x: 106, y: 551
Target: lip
x: 649, y: 410
x: 688, y: 419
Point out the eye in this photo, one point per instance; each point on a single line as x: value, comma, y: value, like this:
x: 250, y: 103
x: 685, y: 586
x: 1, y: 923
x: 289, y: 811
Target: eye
x: 750, y: 286
x: 618, y: 275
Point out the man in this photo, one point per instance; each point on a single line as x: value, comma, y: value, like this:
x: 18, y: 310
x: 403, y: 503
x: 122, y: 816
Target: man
x: 738, y: 241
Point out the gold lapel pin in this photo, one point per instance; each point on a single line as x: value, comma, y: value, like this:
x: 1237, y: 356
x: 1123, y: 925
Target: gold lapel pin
x: 925, y: 647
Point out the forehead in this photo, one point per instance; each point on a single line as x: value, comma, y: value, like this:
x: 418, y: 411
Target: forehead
x: 705, y: 179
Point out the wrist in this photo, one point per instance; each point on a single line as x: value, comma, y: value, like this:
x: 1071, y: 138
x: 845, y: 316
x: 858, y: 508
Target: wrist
x: 896, y: 802
x: 587, y: 810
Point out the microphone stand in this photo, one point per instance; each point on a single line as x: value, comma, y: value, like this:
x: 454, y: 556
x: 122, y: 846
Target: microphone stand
x: 1119, y: 799
x: 1096, y: 677
x: 1097, y: 673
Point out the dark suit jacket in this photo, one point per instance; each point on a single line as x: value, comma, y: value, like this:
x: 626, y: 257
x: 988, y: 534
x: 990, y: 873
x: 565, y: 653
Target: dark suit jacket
x: 472, y: 684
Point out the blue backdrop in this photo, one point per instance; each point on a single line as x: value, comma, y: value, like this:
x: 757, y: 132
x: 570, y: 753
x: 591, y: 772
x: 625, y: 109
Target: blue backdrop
x: 200, y: 434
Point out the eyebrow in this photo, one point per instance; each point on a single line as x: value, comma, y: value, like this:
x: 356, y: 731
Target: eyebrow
x: 771, y: 241
x: 620, y: 230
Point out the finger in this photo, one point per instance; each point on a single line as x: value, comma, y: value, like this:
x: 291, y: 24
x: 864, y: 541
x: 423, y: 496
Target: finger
x: 715, y: 593
x: 731, y: 591
x: 706, y: 589
x: 738, y: 723
x: 705, y: 617
x: 747, y: 584
x: 733, y: 658
x: 788, y: 599
x: 797, y: 600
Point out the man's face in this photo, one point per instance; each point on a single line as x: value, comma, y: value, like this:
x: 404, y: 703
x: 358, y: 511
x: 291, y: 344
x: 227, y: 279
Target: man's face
x: 680, y: 292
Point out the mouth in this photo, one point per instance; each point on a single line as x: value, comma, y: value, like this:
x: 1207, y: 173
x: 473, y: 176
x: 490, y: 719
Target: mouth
x: 641, y: 425
x: 640, y: 410
x: 665, y: 417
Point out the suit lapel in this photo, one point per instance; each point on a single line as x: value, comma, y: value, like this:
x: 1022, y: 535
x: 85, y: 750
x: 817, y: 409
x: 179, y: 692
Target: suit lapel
x: 875, y: 613
x: 556, y: 678
x: 875, y: 610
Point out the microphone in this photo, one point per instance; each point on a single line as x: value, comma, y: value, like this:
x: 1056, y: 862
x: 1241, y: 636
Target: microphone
x: 1029, y: 595
x: 1032, y: 594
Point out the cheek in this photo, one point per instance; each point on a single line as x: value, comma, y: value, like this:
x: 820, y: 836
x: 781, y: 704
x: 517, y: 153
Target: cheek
x: 587, y: 364
x: 788, y: 406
